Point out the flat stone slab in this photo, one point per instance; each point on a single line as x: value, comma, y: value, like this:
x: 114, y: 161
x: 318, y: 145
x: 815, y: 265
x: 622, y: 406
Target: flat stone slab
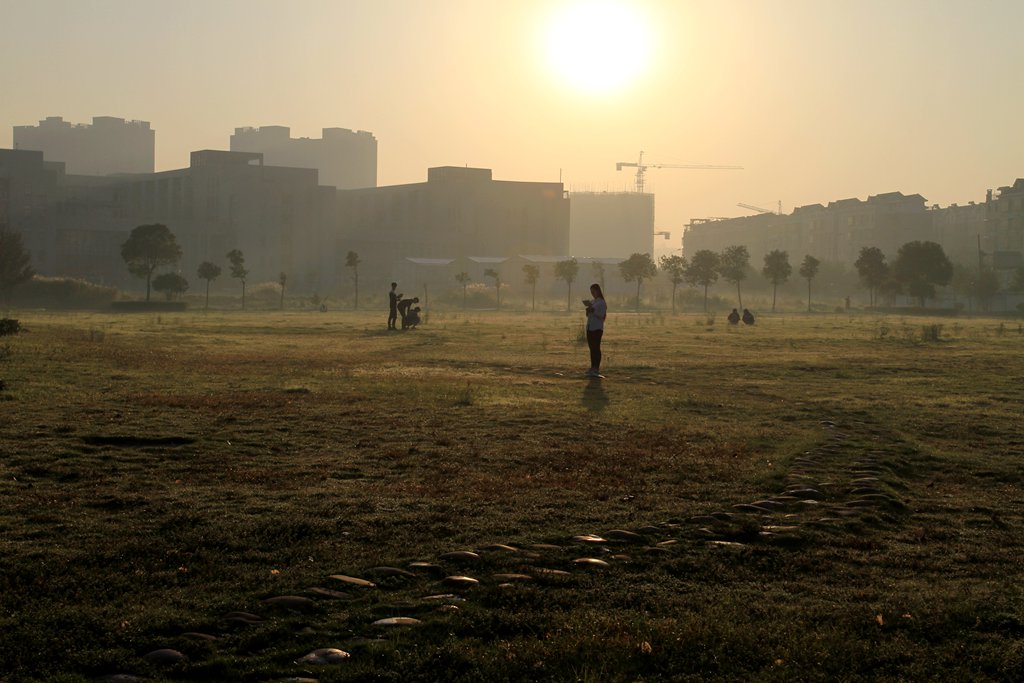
x: 397, y: 621
x: 624, y: 535
x: 805, y: 493
x: 545, y: 546
x: 165, y: 657
x: 726, y: 544
x: 755, y: 509
x: 332, y: 594
x: 509, y: 578
x: 590, y: 562
x: 460, y: 556
x: 195, y: 635
x: 296, y: 602
x: 544, y: 571
x: 704, y: 519
x: 353, y: 581
x: 390, y: 573
x: 244, y: 618
x: 325, y: 655
x: 501, y: 546
x: 589, y: 538
x: 460, y: 581
x: 444, y: 597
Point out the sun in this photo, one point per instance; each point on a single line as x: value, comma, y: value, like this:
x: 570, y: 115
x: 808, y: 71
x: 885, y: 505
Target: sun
x: 598, y: 45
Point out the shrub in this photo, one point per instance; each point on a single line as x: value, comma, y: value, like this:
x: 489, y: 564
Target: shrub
x: 9, y: 327
x: 63, y: 293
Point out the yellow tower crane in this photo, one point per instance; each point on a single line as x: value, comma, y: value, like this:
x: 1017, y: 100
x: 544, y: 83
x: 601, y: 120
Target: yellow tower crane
x: 641, y: 168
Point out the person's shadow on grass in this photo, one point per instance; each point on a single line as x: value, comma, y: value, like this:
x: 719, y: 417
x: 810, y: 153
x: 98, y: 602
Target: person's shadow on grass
x: 594, y: 396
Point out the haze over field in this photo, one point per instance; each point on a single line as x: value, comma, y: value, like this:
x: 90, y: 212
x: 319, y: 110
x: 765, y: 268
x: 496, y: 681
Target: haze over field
x: 817, y: 100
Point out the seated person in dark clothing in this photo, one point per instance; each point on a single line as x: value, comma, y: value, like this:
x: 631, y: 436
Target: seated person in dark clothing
x: 403, y: 309
x: 413, y: 318
x: 748, y: 317
x: 734, y: 317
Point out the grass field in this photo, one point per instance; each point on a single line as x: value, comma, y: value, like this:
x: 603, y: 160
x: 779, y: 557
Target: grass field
x: 833, y: 497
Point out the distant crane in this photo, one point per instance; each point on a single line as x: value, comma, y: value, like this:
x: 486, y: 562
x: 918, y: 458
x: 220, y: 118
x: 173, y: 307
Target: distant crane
x: 664, y: 233
x: 641, y: 168
x: 759, y: 209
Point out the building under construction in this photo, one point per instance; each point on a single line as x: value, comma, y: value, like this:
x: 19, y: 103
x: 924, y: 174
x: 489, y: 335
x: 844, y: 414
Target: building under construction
x: 992, y: 231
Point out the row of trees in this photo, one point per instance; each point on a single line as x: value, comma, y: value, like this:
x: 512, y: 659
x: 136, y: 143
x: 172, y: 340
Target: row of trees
x: 919, y: 267
x: 150, y: 247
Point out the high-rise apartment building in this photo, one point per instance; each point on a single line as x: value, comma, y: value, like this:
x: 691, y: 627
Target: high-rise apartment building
x: 107, y: 146
x: 345, y: 158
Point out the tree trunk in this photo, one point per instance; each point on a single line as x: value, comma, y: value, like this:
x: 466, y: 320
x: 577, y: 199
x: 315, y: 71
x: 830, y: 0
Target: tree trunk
x: 355, y: 272
x: 568, y: 300
x: 207, y: 306
x: 775, y: 289
x: 533, y: 305
x: 243, y: 295
x: 739, y: 295
x: 705, y: 298
x: 149, y: 276
x: 638, y: 295
x: 808, y: 295
x: 674, y: 285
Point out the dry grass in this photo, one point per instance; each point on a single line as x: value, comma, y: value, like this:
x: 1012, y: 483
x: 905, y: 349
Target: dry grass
x: 159, y: 472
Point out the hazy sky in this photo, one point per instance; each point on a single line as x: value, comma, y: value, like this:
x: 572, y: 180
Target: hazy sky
x: 818, y: 99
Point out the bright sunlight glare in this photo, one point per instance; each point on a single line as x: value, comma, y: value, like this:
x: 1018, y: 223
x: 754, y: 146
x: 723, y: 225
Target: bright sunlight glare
x: 598, y: 45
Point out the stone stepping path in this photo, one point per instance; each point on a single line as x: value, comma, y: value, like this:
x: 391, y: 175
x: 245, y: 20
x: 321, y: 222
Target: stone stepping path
x: 826, y: 490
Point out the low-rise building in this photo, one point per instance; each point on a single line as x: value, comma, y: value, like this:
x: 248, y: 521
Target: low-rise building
x: 611, y: 224
x: 457, y: 213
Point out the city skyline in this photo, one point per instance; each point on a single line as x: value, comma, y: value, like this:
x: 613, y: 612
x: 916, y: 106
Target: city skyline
x: 817, y: 101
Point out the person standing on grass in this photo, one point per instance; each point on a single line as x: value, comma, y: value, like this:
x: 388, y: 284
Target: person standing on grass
x: 597, y: 311
x: 393, y: 297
